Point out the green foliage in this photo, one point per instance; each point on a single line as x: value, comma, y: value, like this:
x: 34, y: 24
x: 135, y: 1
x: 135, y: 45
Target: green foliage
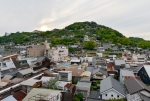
x: 79, y: 96
x: 78, y: 30
x: 94, y: 86
x: 51, y: 84
x: 74, y: 81
x: 89, y: 45
x: 76, y: 98
x: 144, y: 44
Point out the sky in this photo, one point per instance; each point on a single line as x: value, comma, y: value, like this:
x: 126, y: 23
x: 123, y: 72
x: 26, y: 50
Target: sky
x: 130, y: 17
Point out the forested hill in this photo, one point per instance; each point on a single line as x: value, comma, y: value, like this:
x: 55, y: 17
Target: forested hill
x: 74, y: 33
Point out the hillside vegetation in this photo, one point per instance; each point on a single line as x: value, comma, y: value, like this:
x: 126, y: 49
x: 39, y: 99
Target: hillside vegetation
x: 74, y: 33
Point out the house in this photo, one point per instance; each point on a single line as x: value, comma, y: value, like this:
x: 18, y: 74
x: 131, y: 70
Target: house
x: 7, y: 64
x: 28, y: 85
x: 86, y: 38
x: 84, y: 88
x: 141, y: 58
x: 97, y: 73
x: 119, y: 64
x: 20, y: 64
x: 25, y: 73
x: 111, y: 71
x: 144, y: 74
x: 41, y: 94
x: 40, y: 63
x: 137, y: 90
x: 2, y: 48
x: 111, y: 88
x: 65, y: 75
x: 61, y: 84
x: 68, y: 93
x: 124, y: 73
x: 75, y: 61
x: 85, y: 76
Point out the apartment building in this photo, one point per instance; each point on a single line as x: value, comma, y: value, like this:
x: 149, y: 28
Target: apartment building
x: 37, y: 50
x: 59, y: 53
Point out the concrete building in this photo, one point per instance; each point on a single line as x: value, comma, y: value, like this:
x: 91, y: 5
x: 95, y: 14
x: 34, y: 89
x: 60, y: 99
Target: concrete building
x: 38, y: 50
x: 65, y: 75
x: 59, y: 53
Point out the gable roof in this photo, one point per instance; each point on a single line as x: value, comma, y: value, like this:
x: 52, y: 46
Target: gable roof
x: 109, y: 83
x: 134, y: 85
x: 84, y: 84
x: 26, y: 71
x: 126, y: 72
x: 147, y: 69
x: 119, y: 62
x: 30, y: 82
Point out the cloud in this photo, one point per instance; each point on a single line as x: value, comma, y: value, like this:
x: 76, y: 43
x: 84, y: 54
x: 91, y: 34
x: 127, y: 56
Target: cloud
x: 132, y: 18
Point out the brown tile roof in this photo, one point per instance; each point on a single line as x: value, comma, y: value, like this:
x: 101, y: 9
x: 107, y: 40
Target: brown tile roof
x: 5, y: 80
x: 110, y: 66
x: 127, y: 77
x: 20, y: 95
x: 69, y: 85
x: 134, y: 85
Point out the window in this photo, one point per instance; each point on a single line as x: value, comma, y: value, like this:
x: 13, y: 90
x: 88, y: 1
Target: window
x: 117, y: 96
x: 111, y: 95
x: 57, y: 96
x: 105, y: 94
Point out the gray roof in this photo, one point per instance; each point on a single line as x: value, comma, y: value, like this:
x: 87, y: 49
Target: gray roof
x: 26, y: 71
x: 109, y: 83
x: 84, y: 84
x: 134, y: 85
x: 40, y: 59
x: 119, y: 62
x: 92, y: 69
x: 93, y: 99
x: 94, y: 94
x: 125, y: 72
x: 103, y: 71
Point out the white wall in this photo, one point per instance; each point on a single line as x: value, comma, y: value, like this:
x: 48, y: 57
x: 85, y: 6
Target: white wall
x: 111, y: 92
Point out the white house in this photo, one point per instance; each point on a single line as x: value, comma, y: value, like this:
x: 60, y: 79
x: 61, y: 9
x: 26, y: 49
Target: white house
x: 86, y: 38
x: 7, y: 64
x: 111, y: 88
x: 65, y: 75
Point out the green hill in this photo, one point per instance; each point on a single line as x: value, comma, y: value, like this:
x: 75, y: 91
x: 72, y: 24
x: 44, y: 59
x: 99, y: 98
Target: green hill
x: 72, y: 34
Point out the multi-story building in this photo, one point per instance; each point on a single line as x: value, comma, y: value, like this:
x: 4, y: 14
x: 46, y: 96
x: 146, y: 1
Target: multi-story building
x: 59, y: 53
x: 37, y: 50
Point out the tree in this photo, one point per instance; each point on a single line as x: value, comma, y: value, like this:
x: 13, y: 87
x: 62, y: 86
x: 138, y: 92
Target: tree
x: 76, y: 99
x: 89, y: 45
x: 51, y: 84
x: 79, y: 96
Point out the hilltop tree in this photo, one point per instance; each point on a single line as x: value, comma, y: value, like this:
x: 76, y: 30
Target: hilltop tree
x: 89, y: 45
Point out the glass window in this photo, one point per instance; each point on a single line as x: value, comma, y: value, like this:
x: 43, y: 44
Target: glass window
x: 117, y: 96
x: 105, y: 94
x: 111, y: 95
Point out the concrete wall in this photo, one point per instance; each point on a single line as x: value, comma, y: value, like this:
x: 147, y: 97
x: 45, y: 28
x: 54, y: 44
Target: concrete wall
x: 110, y: 93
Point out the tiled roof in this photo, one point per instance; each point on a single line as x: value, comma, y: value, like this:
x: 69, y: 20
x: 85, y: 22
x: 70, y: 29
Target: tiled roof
x: 69, y: 85
x: 109, y: 83
x: 20, y: 95
x: 134, y: 85
x: 127, y: 77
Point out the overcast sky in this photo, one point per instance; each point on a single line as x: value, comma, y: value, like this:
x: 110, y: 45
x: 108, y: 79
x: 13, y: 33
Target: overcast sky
x: 130, y: 17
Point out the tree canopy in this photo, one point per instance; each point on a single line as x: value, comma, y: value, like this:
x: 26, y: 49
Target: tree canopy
x: 89, y: 45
